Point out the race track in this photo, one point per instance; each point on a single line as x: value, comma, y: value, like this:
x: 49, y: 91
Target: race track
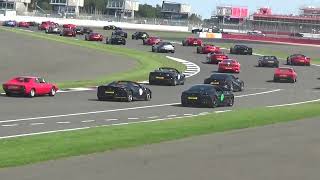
x: 21, y: 116
x: 25, y: 55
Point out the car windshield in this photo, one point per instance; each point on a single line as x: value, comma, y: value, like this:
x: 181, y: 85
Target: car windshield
x: 167, y: 70
x: 166, y: 43
x: 201, y: 88
x: 285, y: 70
x: 269, y: 58
x: 23, y: 79
x: 228, y: 61
x: 122, y: 83
x: 219, y: 76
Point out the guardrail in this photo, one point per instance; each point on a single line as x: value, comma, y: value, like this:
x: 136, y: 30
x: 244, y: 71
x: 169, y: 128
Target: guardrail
x: 272, y: 39
x: 94, y: 23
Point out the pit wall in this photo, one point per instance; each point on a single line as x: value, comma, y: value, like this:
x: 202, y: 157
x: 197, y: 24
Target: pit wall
x: 287, y: 40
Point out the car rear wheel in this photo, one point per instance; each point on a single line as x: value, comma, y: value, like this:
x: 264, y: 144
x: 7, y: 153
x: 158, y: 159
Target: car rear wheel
x: 32, y: 93
x: 231, y: 87
x: 53, y: 92
x: 198, y: 50
x: 174, y: 82
x: 242, y: 87
x: 129, y: 97
x: 148, y: 96
x: 183, y: 43
x: 275, y: 79
x: 8, y: 94
x: 230, y: 102
x: 213, y: 103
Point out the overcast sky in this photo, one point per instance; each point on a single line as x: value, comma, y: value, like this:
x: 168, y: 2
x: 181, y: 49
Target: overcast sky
x: 205, y: 7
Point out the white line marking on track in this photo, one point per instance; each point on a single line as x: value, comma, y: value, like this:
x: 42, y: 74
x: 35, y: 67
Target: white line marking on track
x: 88, y: 121
x: 111, y: 119
x: 9, y: 125
x: 173, y: 115
x: 82, y: 128
x: 204, y: 113
x: 260, y: 93
x: 188, y: 114
x: 134, y: 118
x: 88, y: 113
x: 152, y: 117
x: 293, y: 104
x: 117, y: 110
x: 63, y: 122
x: 36, y: 124
x: 217, y: 112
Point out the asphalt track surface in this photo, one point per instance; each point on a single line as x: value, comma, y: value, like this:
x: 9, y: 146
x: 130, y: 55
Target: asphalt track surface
x: 81, y: 109
x: 287, y: 151
x: 25, y: 55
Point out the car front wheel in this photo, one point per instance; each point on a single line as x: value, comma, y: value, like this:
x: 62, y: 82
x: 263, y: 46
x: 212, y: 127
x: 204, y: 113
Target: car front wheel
x: 32, y: 93
x: 52, y: 92
x: 230, y: 102
x: 129, y: 97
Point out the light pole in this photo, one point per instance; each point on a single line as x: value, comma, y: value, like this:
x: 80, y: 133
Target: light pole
x: 6, y: 7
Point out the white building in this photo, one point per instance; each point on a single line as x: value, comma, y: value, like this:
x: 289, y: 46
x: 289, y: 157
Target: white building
x: 173, y: 10
x: 13, y: 7
x: 122, y: 8
x: 67, y: 7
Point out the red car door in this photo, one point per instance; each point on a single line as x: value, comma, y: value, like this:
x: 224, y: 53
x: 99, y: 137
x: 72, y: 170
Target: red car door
x: 46, y: 86
x: 39, y: 87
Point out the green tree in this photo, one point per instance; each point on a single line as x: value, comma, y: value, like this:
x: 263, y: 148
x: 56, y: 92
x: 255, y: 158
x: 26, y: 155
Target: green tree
x: 195, y: 18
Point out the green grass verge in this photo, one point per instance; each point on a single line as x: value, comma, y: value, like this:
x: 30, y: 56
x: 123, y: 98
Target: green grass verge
x: 26, y: 150
x: 147, y: 61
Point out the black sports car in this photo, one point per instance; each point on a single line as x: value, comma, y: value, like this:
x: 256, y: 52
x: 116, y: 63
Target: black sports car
x: 227, y: 81
x: 120, y: 33
x: 123, y: 91
x: 241, y: 49
x: 168, y: 76
x: 116, y: 40
x: 207, y: 95
x: 83, y: 30
x: 268, y: 61
x: 111, y: 27
x: 195, y: 31
x: 140, y: 35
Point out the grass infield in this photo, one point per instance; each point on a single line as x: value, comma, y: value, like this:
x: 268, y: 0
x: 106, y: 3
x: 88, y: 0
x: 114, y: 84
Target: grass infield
x: 32, y: 149
x: 147, y: 61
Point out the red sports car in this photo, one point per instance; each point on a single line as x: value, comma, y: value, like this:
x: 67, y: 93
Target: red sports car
x: 285, y: 74
x: 191, y: 41
x: 68, y: 32
x: 69, y: 26
x: 29, y: 86
x: 23, y: 24
x: 46, y: 24
x: 151, y: 41
x: 215, y: 58
x: 229, y: 65
x: 94, y: 37
x: 208, y: 48
x: 298, y: 59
